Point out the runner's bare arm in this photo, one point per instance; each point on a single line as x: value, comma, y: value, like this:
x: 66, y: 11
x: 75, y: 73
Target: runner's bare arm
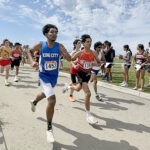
x: 11, y: 55
x: 36, y: 47
x: 103, y: 58
x: 76, y: 55
x: 1, y: 50
x: 96, y: 58
x: 64, y: 52
x: 133, y: 60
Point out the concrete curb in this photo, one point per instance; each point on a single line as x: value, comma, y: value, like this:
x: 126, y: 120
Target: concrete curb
x: 117, y: 88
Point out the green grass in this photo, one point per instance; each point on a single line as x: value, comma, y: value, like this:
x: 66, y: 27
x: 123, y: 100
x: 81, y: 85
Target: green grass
x: 117, y: 75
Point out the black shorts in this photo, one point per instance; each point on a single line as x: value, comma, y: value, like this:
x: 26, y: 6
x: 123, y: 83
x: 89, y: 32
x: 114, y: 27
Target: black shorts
x: 83, y: 76
x: 15, y: 63
x: 127, y: 66
x: 73, y: 78
x: 109, y: 66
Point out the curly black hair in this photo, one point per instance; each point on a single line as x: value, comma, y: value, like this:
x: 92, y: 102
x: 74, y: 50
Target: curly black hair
x: 47, y: 27
x: 84, y: 37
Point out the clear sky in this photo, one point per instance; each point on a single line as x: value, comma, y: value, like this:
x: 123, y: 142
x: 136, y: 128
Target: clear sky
x: 119, y: 21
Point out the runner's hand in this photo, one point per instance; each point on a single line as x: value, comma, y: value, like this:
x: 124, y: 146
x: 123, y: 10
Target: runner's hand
x: 35, y: 65
x: 120, y: 57
x: 76, y: 66
x: 12, y: 58
x: 143, y: 64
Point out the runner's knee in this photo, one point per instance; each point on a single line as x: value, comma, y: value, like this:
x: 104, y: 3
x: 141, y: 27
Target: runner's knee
x: 88, y: 94
x: 52, y: 100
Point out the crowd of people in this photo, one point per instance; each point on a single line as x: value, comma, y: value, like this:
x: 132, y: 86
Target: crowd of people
x: 11, y: 55
x: 106, y: 54
x: 85, y: 63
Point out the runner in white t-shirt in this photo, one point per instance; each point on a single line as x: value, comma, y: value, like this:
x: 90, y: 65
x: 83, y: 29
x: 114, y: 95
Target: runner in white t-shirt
x: 96, y: 68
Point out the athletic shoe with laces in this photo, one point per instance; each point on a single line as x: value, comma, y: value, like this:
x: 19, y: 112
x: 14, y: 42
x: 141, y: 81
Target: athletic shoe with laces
x: 50, y: 136
x: 122, y: 82
x: 33, y: 107
x: 91, y: 120
x: 16, y: 79
x: 140, y: 89
x: 6, y: 83
x: 65, y: 88
x: 99, y: 98
x: 125, y: 85
x: 135, y: 88
x: 71, y: 99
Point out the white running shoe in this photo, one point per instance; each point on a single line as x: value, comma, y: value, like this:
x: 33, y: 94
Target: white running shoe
x: 16, y: 79
x: 50, y: 136
x: 122, y: 83
x: 33, y: 107
x: 65, y: 88
x: 91, y: 120
x: 125, y: 85
x: 135, y: 88
x: 98, y: 97
x: 7, y: 83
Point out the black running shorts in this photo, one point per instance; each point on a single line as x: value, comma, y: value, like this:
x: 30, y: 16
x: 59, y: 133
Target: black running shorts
x: 83, y: 76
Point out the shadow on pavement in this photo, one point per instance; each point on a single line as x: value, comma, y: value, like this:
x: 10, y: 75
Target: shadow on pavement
x: 29, y: 70
x: 24, y: 73
x: 63, y: 76
x: 106, y: 105
x: 118, y: 100
x: 30, y: 82
x: 25, y: 77
x: 119, y: 125
x: 60, y: 84
x: 24, y: 86
x: 88, y: 142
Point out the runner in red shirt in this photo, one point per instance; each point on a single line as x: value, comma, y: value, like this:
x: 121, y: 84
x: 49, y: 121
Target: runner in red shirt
x: 16, y: 58
x: 74, y: 67
x: 85, y: 61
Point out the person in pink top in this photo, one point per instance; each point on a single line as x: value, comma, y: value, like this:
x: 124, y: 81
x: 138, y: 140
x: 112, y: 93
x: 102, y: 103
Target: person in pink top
x: 148, y: 66
x: 140, y: 59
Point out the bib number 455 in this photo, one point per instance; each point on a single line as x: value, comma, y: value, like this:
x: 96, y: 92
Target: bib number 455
x: 50, y: 65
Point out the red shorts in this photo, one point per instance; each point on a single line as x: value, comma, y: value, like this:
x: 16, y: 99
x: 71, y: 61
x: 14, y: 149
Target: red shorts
x: 4, y: 62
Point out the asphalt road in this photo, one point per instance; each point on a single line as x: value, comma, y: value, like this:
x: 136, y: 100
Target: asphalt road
x: 124, y: 120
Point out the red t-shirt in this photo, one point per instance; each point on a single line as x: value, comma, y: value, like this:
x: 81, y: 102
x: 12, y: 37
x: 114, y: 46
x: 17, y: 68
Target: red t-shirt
x: 73, y: 70
x: 16, y: 53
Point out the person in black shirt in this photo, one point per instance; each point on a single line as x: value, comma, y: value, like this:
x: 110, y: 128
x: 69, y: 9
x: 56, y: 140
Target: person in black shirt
x: 109, y: 56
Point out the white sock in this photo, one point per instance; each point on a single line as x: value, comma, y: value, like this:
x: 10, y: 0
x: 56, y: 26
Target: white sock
x: 88, y: 113
x: 96, y: 94
x: 68, y: 87
x: 6, y: 80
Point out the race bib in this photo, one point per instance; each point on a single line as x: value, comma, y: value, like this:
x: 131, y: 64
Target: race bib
x: 50, y: 65
x: 16, y: 55
x: 87, y: 65
x: 6, y: 56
